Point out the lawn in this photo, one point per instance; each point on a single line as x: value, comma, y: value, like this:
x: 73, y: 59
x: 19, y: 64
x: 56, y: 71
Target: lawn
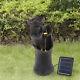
x: 17, y: 61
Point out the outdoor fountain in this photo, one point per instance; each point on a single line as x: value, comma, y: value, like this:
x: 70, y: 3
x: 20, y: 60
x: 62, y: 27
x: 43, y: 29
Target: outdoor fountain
x: 42, y: 40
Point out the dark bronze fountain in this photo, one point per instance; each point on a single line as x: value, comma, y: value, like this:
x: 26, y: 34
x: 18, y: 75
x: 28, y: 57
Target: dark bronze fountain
x: 42, y: 40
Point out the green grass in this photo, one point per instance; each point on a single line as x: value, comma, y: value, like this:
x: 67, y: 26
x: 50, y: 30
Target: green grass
x: 16, y: 62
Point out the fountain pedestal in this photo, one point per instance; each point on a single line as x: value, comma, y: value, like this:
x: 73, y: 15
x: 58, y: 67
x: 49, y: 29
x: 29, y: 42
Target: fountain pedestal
x: 43, y: 62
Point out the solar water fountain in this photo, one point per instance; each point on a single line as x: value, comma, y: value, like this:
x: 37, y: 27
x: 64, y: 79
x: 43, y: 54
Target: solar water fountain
x: 42, y: 40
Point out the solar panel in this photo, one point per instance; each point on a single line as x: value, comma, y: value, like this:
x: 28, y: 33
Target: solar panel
x: 65, y: 65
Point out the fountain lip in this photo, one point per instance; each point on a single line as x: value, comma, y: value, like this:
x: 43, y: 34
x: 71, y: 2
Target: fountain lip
x: 36, y: 19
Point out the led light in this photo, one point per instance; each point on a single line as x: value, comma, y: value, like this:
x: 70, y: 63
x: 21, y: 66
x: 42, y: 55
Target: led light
x: 45, y: 33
